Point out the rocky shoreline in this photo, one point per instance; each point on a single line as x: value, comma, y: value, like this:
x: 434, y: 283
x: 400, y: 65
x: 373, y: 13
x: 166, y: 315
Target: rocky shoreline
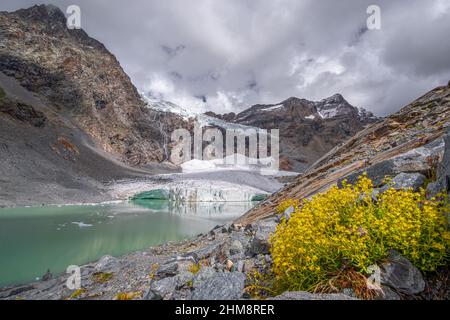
x: 213, y: 266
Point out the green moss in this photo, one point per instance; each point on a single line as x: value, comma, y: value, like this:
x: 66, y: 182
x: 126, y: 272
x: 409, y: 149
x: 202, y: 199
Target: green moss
x: 77, y: 293
x: 102, y: 277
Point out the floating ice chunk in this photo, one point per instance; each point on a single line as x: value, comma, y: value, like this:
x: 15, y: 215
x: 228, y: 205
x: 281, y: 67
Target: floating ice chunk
x: 82, y: 224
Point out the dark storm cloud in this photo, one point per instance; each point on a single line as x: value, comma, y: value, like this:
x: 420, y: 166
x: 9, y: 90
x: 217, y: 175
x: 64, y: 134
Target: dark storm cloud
x: 225, y: 55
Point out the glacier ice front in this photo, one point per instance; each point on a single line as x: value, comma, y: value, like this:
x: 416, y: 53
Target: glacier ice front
x: 200, y: 191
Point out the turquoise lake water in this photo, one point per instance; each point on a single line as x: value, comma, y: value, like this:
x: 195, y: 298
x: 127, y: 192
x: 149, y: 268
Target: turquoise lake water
x: 33, y: 240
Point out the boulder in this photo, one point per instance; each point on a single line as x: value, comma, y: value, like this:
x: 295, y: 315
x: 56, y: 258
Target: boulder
x: 416, y: 160
x: 162, y: 289
x: 303, y: 295
x: 406, y: 181
x: 204, y: 274
x: 175, y: 266
x: 260, y: 242
x: 399, y: 274
x: 221, y: 286
x: 106, y: 263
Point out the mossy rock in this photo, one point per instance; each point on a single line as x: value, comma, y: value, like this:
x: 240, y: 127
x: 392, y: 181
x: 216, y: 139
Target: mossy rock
x: 158, y: 194
x: 259, y: 197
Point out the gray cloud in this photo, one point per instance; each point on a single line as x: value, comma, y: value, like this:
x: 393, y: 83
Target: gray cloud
x: 227, y: 55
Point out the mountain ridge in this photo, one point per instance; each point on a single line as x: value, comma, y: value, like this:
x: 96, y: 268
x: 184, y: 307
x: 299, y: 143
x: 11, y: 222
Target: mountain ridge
x: 308, y: 129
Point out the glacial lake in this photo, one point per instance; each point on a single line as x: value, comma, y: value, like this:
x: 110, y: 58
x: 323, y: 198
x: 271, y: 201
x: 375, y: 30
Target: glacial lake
x: 34, y: 240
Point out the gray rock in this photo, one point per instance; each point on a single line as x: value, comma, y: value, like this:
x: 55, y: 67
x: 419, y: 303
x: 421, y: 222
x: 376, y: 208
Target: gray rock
x: 162, y: 289
x: 443, y: 171
x: 203, y: 274
x: 302, y: 295
x: 184, y: 278
x: 47, y: 276
x: 167, y: 270
x: 287, y: 213
x: 221, y: 286
x: 406, y: 181
x: 206, y: 251
x: 388, y: 294
x: 236, y: 247
x: 239, y: 267
x: 175, y: 266
x: 349, y: 292
x: 376, y: 173
x: 260, y: 242
x: 249, y: 265
x: 415, y: 160
x: 106, y: 263
x: 401, y: 275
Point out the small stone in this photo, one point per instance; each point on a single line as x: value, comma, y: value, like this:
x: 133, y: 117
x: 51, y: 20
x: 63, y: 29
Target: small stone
x: 249, y: 265
x: 229, y: 265
x: 236, y: 247
x: 47, y: 276
x: 239, y: 267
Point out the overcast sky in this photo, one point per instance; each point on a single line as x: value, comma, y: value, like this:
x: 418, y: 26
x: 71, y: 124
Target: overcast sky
x: 225, y: 55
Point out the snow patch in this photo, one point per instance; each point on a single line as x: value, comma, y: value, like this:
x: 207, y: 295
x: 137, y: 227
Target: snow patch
x: 278, y: 106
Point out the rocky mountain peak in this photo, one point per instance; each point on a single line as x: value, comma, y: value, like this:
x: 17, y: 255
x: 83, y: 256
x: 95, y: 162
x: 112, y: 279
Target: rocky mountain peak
x: 43, y: 13
x: 77, y: 77
x: 335, y: 98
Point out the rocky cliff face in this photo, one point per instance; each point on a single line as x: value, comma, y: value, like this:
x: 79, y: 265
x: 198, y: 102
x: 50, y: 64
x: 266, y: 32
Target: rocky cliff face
x: 70, y: 119
x: 308, y: 129
x: 81, y: 80
x: 408, y: 145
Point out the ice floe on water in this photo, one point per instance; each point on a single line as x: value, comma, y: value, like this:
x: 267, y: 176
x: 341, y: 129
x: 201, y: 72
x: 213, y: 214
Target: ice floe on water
x: 82, y: 224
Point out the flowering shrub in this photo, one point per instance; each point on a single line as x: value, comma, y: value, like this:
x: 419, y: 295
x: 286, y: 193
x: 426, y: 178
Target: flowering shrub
x: 286, y: 204
x: 346, y: 228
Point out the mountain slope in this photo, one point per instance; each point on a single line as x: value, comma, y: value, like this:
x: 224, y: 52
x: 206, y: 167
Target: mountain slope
x: 407, y: 141
x: 71, y: 121
x: 308, y: 129
x: 81, y: 79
